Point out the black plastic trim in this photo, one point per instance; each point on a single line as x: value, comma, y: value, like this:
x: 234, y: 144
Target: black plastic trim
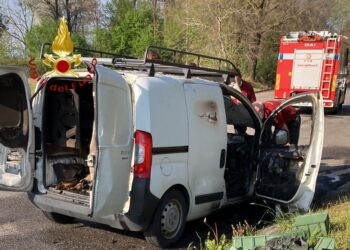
x: 143, y: 205
x: 222, y: 158
x: 170, y: 150
x: 205, y: 198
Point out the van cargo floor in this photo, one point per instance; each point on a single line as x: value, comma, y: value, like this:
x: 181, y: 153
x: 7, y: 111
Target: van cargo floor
x: 83, y: 199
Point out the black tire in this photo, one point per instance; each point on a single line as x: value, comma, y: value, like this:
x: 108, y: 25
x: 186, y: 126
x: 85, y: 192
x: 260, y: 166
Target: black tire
x: 335, y: 110
x: 169, y: 220
x: 58, y: 218
x: 340, y: 106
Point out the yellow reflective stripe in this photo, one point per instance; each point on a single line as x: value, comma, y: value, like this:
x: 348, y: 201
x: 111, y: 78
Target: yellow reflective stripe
x: 278, y: 81
x: 334, y: 83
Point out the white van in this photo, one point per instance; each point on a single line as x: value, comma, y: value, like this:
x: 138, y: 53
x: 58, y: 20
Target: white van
x: 146, y: 147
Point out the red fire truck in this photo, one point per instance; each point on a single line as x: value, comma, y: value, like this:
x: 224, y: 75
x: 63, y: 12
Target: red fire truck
x: 313, y: 61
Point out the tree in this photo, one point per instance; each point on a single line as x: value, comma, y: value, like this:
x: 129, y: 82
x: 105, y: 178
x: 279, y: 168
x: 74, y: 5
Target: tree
x: 78, y: 13
x: 46, y: 32
x: 244, y: 31
x: 128, y: 27
x: 41, y: 33
x: 112, y: 14
x: 340, y: 20
x: 2, y: 25
x: 133, y: 34
x: 3, y: 49
x: 115, y: 11
x: 19, y: 18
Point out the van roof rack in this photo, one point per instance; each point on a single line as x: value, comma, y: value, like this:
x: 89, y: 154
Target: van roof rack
x: 171, y: 61
x: 164, y: 60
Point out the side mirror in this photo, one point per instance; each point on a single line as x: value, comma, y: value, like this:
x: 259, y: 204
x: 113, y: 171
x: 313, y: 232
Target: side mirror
x: 280, y: 137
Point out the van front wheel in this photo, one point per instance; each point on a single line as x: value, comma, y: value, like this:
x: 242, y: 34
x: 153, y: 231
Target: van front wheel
x: 169, y: 220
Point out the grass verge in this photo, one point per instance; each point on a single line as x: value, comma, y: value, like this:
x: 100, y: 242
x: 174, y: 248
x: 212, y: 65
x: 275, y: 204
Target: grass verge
x: 339, y: 216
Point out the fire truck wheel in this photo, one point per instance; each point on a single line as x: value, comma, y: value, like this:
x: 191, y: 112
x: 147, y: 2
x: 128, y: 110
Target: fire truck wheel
x: 340, y: 106
x: 334, y: 110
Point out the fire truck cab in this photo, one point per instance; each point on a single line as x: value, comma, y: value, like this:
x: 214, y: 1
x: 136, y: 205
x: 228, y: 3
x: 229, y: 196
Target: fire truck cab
x: 315, y: 61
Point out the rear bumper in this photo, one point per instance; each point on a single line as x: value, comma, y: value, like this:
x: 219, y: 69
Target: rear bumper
x: 142, y: 207
x: 327, y: 104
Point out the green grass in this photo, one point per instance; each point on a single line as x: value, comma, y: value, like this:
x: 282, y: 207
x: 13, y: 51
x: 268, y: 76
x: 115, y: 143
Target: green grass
x: 338, y: 211
x: 339, y: 215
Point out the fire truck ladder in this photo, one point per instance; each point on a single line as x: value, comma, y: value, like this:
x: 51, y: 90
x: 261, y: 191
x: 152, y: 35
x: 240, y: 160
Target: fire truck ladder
x: 328, y: 66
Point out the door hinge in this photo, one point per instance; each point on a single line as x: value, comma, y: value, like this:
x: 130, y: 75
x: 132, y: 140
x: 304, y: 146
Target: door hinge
x: 90, y: 162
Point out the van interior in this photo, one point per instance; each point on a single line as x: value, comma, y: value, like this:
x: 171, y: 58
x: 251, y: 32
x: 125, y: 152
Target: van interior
x: 279, y: 167
x: 14, y: 129
x: 242, y: 139
x: 13, y: 107
x: 67, y: 132
x: 282, y: 166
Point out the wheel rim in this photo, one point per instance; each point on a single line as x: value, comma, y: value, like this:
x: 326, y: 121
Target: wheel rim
x: 171, y: 219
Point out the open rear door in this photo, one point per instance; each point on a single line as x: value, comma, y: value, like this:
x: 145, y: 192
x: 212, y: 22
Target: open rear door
x: 114, y: 141
x: 16, y: 131
x: 287, y: 173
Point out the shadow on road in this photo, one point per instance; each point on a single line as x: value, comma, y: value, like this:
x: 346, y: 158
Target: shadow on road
x: 332, y: 184
x: 328, y: 189
x: 345, y: 110
x: 258, y: 216
x: 197, y: 231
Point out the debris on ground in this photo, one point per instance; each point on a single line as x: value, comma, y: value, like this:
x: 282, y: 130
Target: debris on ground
x: 305, y: 227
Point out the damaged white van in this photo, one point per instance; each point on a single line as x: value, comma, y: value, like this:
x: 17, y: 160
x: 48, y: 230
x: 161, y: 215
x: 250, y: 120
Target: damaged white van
x: 147, y: 145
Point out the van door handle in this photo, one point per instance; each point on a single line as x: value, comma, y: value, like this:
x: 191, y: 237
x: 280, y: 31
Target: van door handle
x: 222, y: 158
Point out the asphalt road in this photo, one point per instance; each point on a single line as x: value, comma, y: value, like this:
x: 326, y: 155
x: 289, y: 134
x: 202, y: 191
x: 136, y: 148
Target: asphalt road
x: 22, y: 226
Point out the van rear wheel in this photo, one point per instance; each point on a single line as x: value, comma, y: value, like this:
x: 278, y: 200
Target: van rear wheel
x: 58, y: 218
x: 169, y: 220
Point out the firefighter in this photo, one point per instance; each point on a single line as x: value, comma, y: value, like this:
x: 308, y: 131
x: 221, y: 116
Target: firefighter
x: 247, y: 90
x: 287, y: 119
x: 152, y: 55
x: 244, y: 87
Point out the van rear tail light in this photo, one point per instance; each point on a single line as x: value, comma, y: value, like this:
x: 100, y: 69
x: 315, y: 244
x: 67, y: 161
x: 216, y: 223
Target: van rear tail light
x: 143, y: 154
